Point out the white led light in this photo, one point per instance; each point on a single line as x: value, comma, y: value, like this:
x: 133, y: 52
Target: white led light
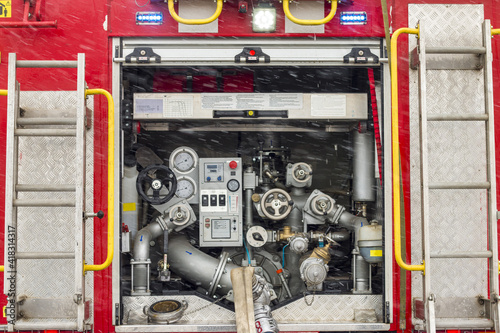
x: 264, y: 19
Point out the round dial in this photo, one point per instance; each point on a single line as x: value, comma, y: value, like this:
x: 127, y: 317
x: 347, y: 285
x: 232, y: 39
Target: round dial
x: 186, y: 188
x: 233, y: 185
x: 183, y: 159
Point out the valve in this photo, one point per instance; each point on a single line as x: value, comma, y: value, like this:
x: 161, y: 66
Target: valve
x: 161, y: 181
x: 276, y: 204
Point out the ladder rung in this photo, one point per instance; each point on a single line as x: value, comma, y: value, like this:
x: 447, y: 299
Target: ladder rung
x: 45, y: 255
x: 444, y: 323
x: 458, y: 117
x: 46, y: 64
x: 45, y: 132
x: 45, y: 188
x: 463, y: 255
x: 46, y: 121
x: 49, y: 325
x: 459, y: 186
x: 43, y: 203
x: 456, y: 50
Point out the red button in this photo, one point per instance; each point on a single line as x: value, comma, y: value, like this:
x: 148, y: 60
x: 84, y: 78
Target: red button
x: 252, y: 52
x: 233, y: 164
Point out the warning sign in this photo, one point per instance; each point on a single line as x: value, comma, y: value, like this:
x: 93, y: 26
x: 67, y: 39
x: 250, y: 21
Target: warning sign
x: 5, y: 8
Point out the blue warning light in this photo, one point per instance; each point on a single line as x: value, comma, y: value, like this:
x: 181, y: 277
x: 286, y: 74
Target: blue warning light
x: 149, y: 18
x: 353, y: 18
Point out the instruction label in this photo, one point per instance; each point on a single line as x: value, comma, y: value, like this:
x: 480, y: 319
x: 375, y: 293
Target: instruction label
x: 5, y: 8
x: 249, y: 101
x: 178, y: 106
x: 148, y: 105
x: 165, y: 106
x: 328, y: 105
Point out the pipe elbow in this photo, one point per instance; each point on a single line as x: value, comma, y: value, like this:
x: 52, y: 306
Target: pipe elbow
x: 143, y: 238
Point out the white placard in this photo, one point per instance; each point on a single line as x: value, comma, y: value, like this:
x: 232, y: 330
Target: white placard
x: 178, y: 107
x: 328, y: 105
x: 249, y: 101
x: 148, y: 105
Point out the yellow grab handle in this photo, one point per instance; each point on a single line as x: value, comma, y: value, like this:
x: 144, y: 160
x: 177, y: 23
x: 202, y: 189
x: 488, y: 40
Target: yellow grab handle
x: 395, y: 151
x: 179, y: 19
x: 292, y: 18
x: 495, y: 32
x: 111, y: 178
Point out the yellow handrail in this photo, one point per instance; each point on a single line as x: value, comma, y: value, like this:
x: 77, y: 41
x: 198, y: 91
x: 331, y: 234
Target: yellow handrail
x: 325, y: 20
x: 395, y: 151
x: 179, y: 19
x: 111, y: 177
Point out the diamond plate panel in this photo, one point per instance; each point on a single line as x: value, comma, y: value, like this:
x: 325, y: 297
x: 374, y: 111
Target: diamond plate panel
x: 471, y: 220
x: 457, y: 152
x: 450, y: 24
x: 213, y: 314
x: 50, y: 160
x: 328, y: 308
x: 452, y: 93
x: 340, y: 309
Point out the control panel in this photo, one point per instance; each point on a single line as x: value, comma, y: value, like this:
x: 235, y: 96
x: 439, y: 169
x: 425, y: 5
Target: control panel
x: 220, y: 197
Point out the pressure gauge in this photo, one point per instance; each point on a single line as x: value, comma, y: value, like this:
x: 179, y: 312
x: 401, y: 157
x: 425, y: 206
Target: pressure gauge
x: 233, y: 185
x: 186, y: 188
x: 183, y: 160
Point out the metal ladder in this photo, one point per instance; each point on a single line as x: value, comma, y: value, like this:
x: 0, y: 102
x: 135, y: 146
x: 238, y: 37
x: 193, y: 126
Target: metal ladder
x: 431, y: 257
x: 25, y: 312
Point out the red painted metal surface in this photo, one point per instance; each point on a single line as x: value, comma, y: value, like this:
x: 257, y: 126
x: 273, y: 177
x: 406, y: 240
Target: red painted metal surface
x: 80, y: 30
x: 234, y: 23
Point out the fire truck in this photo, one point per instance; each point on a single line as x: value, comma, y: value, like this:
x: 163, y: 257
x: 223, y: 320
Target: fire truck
x: 249, y: 165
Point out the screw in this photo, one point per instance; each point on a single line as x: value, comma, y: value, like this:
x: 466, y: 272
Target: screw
x: 360, y: 52
x: 143, y: 52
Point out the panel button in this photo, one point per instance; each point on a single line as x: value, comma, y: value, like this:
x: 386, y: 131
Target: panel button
x: 213, y: 200
x: 222, y: 199
x: 204, y: 200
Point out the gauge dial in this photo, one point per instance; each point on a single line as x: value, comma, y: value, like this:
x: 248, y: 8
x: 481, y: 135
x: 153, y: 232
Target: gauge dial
x: 233, y: 185
x: 183, y: 159
x: 186, y: 188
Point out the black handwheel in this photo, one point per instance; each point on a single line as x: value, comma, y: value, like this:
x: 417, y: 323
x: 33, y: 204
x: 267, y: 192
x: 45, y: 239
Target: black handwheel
x: 162, y: 183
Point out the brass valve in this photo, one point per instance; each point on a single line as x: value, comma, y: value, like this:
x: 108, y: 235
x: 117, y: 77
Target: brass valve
x: 286, y: 233
x: 322, y: 253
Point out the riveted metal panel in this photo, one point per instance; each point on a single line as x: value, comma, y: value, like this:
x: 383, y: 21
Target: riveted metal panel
x: 457, y: 153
